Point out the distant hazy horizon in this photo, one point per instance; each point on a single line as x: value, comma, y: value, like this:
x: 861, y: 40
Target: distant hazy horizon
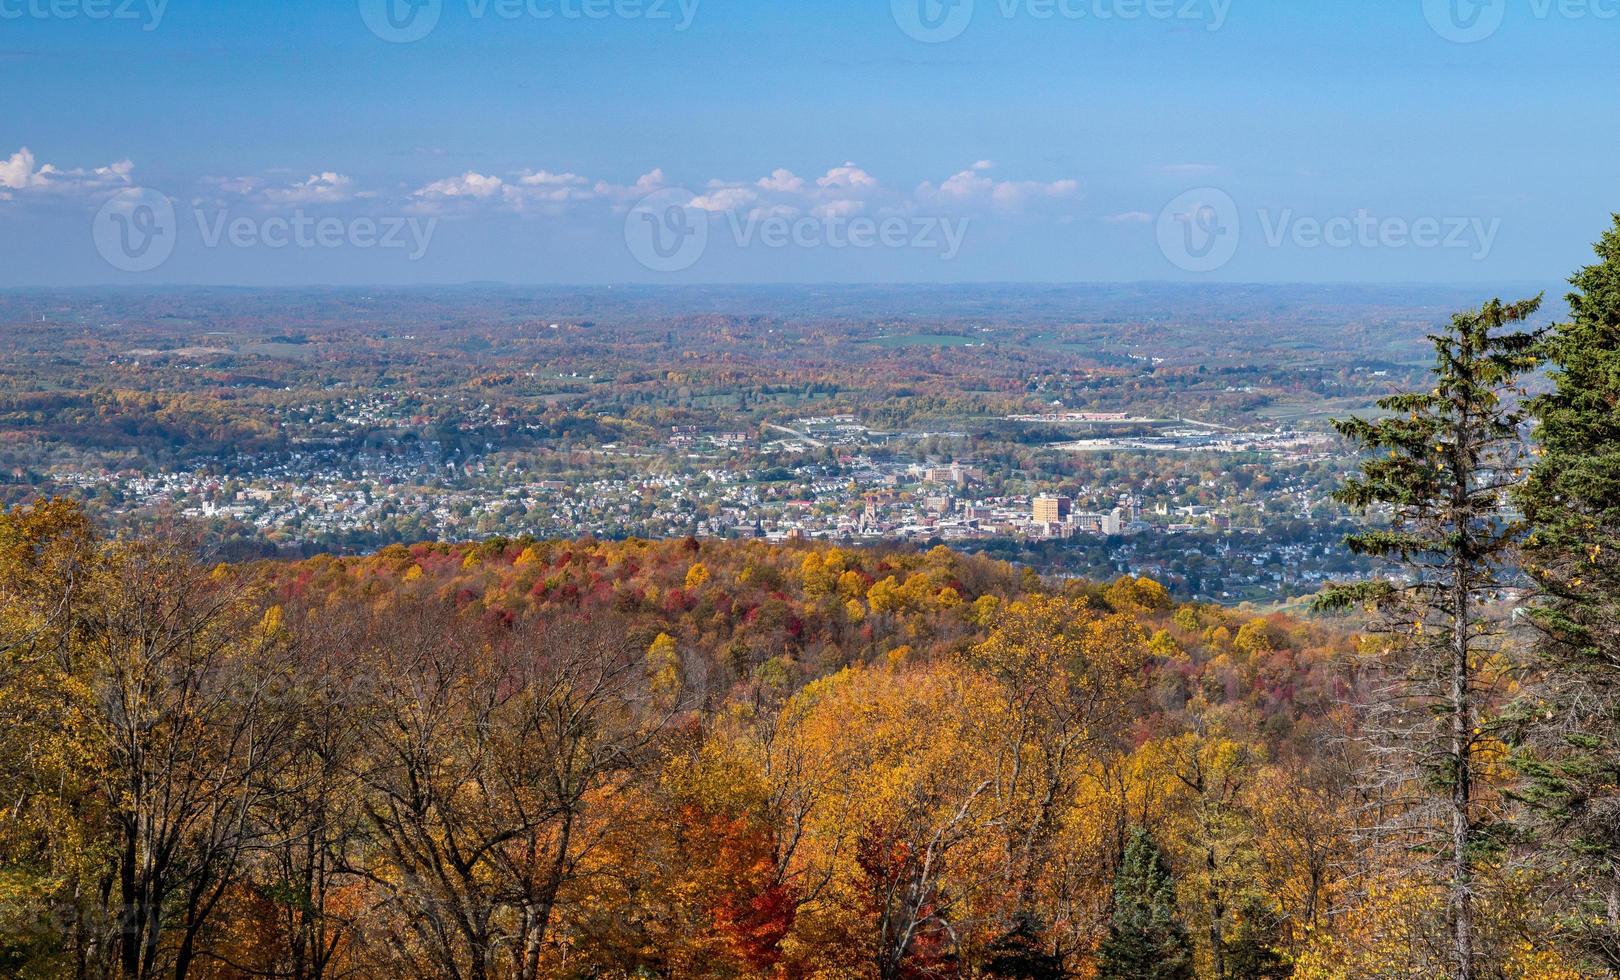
x: 580, y: 142
x: 956, y: 305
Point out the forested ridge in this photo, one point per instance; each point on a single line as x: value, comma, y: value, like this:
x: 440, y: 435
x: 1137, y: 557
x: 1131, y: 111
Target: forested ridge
x: 586, y: 758
x: 683, y: 758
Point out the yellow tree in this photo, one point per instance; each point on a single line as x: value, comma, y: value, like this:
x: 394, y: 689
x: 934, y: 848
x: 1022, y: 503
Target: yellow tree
x: 1303, y: 810
x: 1067, y: 679
x: 904, y: 814
x: 144, y: 683
x: 52, y: 828
x: 1212, y: 828
x: 185, y: 673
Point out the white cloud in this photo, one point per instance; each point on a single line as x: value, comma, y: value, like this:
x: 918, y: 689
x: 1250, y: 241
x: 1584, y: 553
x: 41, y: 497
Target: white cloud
x: 546, y: 189
x: 117, y: 173
x: 235, y: 186
x: 724, y: 197
x: 843, y: 208
x: 277, y: 192
x: 847, y: 177
x: 21, y: 174
x: 782, y: 181
x: 963, y: 186
x: 974, y: 187
x: 1015, y: 195
x: 1129, y: 218
x: 647, y: 183
x: 545, y: 178
x: 841, y: 192
x: 322, y: 188
x: 472, y: 185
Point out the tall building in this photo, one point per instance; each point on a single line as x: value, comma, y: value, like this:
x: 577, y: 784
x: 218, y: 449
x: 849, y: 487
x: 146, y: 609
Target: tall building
x: 1110, y: 523
x: 1052, y: 510
x: 955, y: 474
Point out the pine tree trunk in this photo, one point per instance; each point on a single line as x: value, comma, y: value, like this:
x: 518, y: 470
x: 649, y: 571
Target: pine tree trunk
x: 1462, y: 899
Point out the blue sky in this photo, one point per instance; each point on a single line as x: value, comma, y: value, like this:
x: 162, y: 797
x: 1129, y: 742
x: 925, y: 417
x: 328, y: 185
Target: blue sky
x: 554, y: 141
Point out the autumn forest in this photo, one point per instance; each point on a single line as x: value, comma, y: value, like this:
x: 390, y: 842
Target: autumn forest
x: 518, y: 758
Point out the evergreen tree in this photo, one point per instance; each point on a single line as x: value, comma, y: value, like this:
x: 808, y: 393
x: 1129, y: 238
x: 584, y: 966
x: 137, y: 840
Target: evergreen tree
x: 1572, y: 505
x: 1251, y: 952
x: 1146, y: 940
x: 1440, y: 466
x: 1020, y: 954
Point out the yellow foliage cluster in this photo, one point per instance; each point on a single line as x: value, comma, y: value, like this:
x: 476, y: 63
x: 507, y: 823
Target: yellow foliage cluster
x: 685, y: 759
